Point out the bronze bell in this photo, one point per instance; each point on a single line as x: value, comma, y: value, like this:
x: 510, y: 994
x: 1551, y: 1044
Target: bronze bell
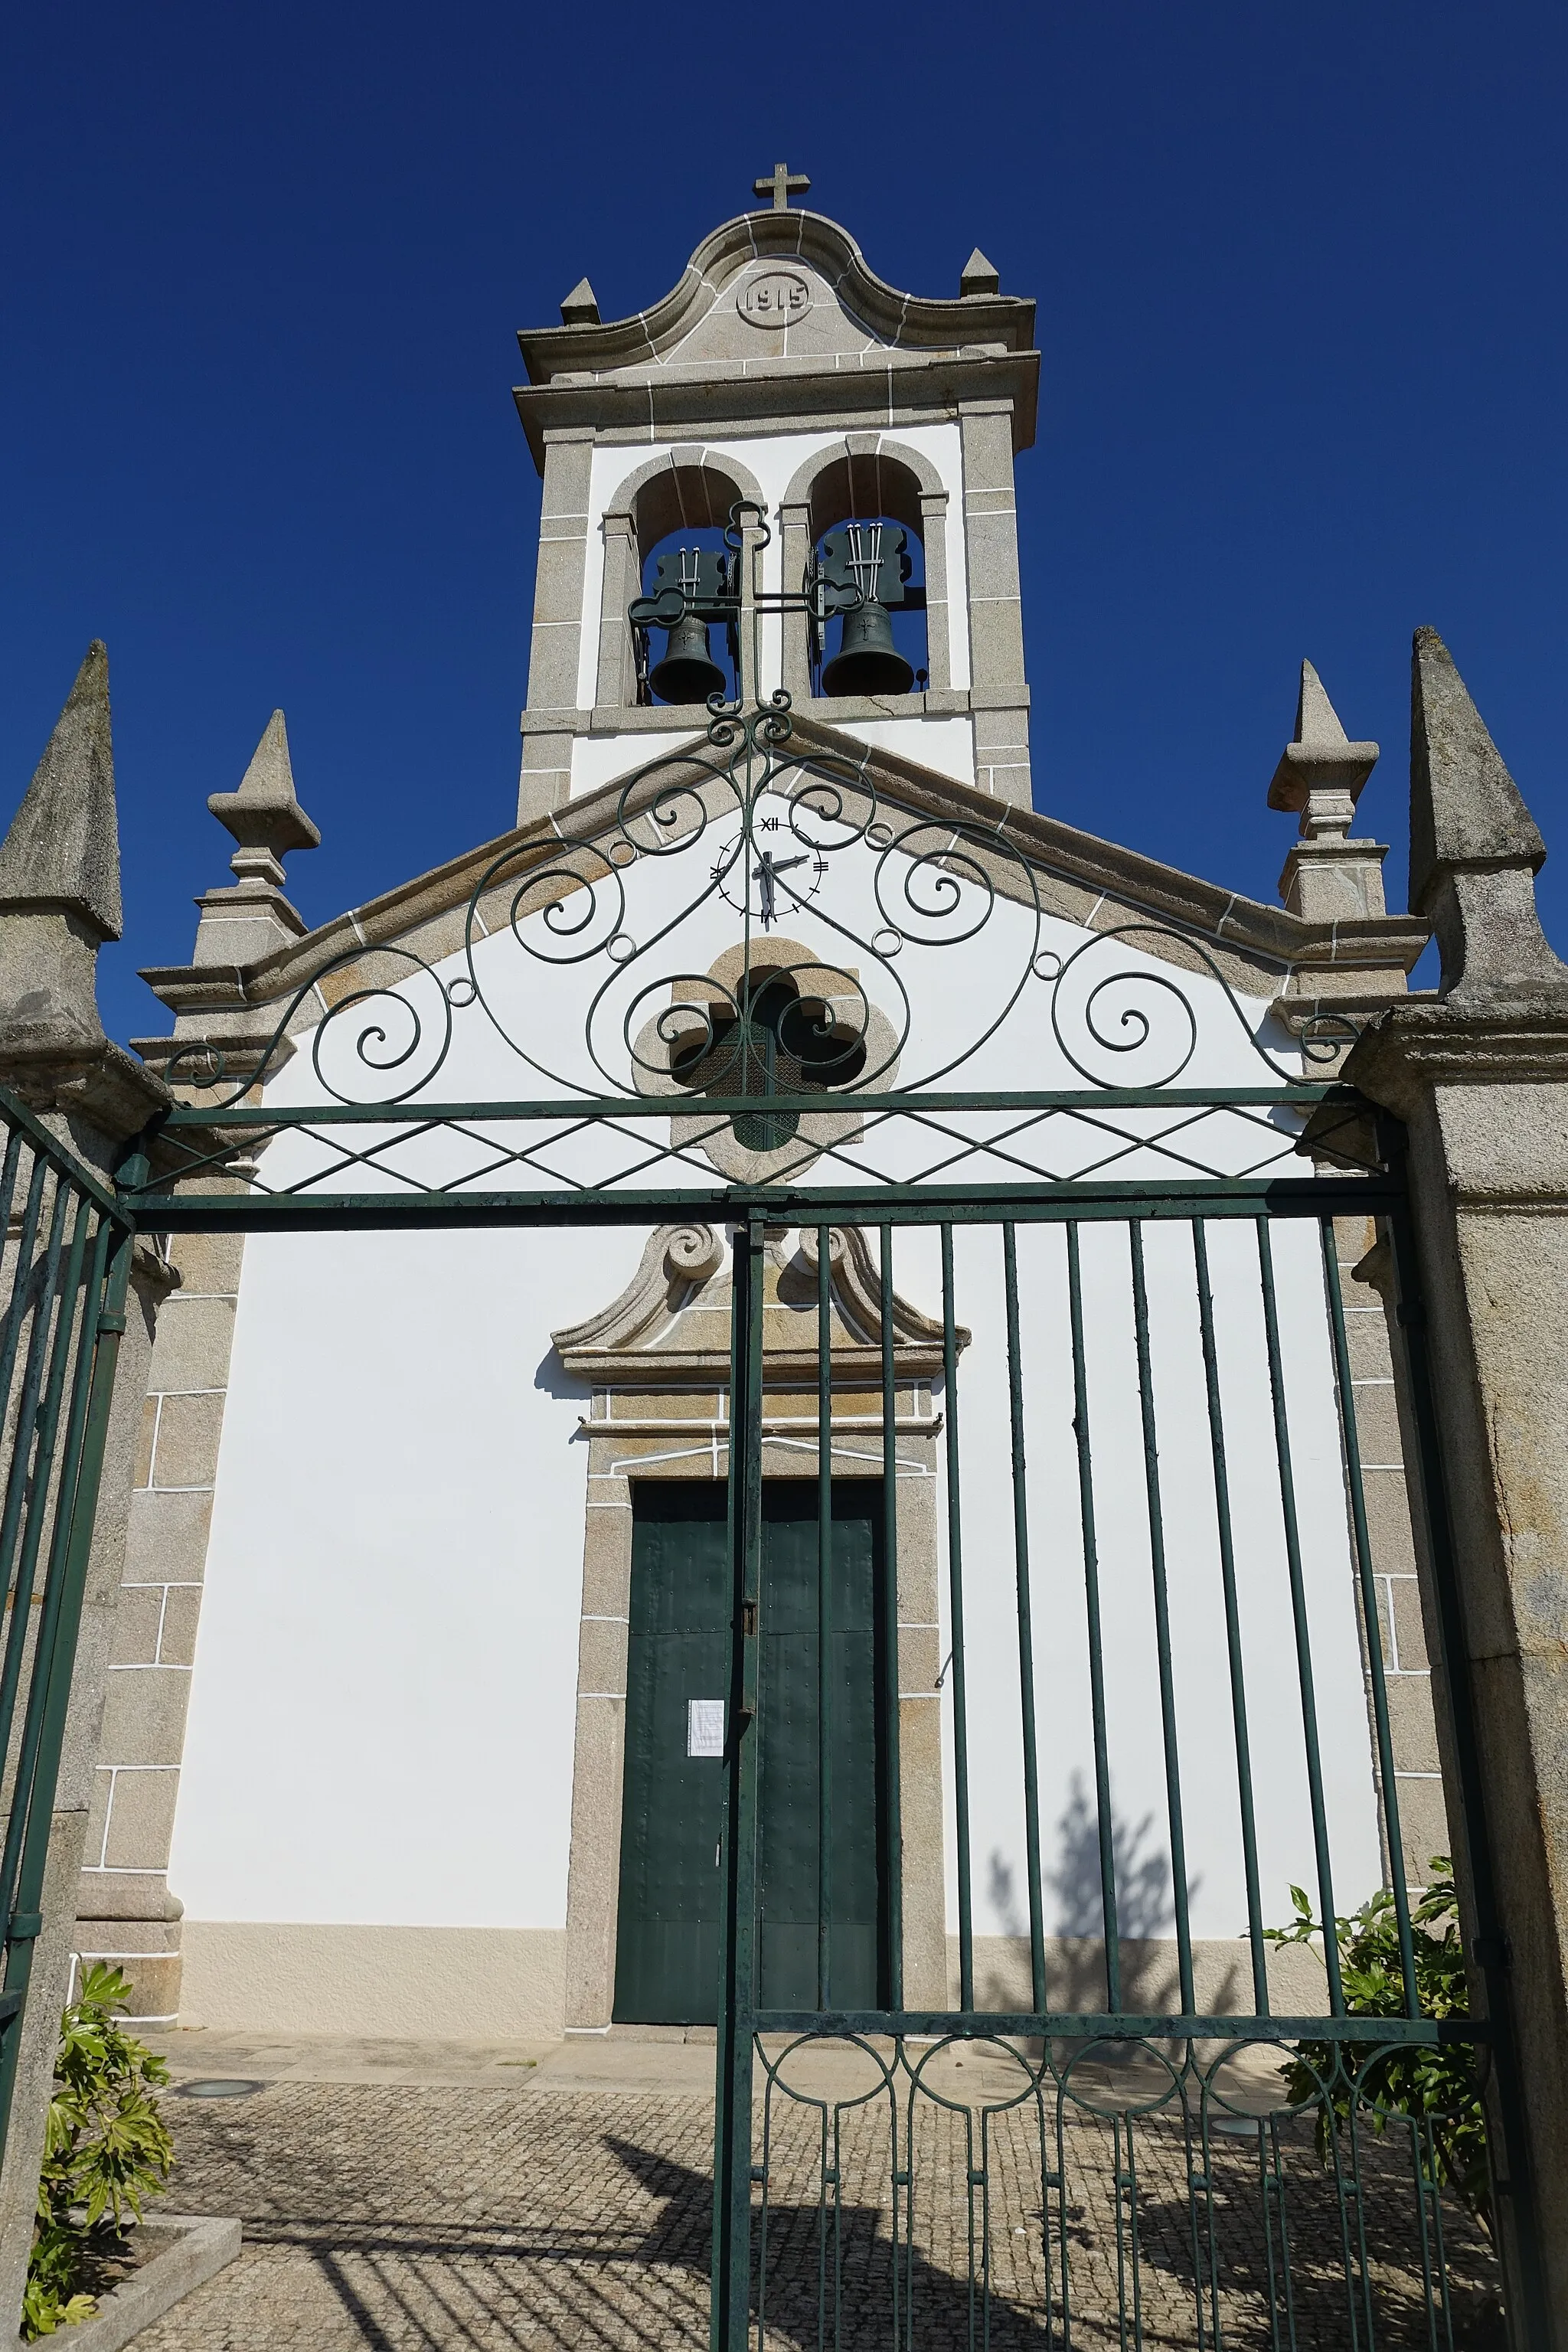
x: 689, y: 672
x: 867, y: 661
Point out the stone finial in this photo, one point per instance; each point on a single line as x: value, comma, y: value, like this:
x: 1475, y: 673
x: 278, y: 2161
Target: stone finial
x: 978, y: 275
x: 1328, y: 877
x: 263, y: 815
x: 1320, y: 771
x: 59, y: 879
x: 64, y: 844
x: 580, y: 307
x: 1475, y: 849
x: 1464, y: 807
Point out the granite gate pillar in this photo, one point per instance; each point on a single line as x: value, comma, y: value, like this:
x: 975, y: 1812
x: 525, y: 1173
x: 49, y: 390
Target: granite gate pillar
x: 1479, y: 1076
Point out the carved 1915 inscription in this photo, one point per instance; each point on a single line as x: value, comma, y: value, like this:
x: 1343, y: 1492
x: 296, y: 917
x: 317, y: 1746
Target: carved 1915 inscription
x: 774, y: 299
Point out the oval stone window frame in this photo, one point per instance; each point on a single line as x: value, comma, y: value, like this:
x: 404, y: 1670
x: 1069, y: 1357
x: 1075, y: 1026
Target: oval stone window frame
x: 760, y: 304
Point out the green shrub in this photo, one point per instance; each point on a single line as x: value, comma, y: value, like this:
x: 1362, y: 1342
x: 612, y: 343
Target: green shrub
x: 1434, y: 2087
x: 107, y: 2148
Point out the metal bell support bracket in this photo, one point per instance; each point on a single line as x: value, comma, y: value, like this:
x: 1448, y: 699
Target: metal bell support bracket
x: 697, y: 585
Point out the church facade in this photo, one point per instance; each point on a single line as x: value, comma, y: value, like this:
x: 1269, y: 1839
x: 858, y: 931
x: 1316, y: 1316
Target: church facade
x: 418, y: 1707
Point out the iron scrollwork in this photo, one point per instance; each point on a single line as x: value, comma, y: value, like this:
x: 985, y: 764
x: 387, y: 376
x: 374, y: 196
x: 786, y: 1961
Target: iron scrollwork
x: 773, y: 834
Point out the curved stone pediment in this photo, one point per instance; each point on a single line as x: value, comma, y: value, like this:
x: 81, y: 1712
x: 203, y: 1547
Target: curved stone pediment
x: 670, y: 1326
x: 829, y: 254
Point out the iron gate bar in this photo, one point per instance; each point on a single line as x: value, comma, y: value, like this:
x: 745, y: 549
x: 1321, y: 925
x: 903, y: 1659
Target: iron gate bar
x: 892, y: 1675
x: 730, y: 2305
x: 1232, y: 1620
x: 1117, y: 2025
x: 1025, y: 1619
x: 1299, y: 1616
x: 956, y: 1663
x: 824, y: 1606
x: 869, y: 1205
x: 1305, y: 1094
x: 1103, y: 1819
x: 1162, y: 1618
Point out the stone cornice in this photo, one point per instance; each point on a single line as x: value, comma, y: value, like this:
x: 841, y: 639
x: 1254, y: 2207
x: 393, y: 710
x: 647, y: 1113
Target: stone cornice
x: 101, y: 1084
x: 1419, y: 1045
x: 668, y: 403
x: 677, y: 719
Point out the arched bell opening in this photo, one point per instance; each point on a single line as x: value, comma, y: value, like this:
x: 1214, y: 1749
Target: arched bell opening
x: 678, y: 520
x: 868, y: 560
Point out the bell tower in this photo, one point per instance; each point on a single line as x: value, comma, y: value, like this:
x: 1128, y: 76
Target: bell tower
x: 785, y: 473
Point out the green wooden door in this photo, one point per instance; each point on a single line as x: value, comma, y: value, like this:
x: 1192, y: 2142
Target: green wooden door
x: 667, y: 1959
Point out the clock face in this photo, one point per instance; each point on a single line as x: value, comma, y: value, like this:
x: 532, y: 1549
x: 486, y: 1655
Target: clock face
x: 774, y: 875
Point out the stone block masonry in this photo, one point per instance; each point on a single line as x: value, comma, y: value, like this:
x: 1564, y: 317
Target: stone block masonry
x: 1417, y: 1775
x: 126, y: 1912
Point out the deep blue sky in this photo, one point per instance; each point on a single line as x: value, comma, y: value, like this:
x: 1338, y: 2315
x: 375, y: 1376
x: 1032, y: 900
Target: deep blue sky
x: 1300, y: 276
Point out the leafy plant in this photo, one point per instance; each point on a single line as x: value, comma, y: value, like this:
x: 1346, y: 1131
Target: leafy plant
x: 107, y: 2148
x: 49, y: 2299
x: 1435, y: 2088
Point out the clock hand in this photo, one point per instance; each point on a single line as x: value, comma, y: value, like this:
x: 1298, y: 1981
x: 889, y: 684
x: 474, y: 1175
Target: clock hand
x: 763, y: 873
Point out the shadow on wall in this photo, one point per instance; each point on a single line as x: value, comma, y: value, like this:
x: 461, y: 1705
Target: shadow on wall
x: 1075, y: 1949
x: 554, y: 1377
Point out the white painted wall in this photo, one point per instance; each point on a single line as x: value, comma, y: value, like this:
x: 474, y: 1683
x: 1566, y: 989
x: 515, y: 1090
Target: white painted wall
x: 597, y: 760
x: 945, y: 744
x: 382, y: 1705
x: 382, y: 1716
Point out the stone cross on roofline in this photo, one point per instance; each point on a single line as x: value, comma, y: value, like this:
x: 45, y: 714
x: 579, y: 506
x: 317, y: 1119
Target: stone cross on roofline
x: 780, y: 183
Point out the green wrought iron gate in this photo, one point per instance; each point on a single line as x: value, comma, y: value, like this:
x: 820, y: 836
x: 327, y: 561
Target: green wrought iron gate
x: 1057, y: 2169
x: 67, y: 1244
x: 1034, y: 2150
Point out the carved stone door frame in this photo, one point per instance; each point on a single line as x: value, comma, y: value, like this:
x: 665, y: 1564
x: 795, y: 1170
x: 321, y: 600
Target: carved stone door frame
x: 657, y: 1363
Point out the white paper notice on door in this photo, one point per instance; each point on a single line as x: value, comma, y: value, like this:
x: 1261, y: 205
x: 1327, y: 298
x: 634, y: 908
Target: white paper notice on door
x: 705, y: 1726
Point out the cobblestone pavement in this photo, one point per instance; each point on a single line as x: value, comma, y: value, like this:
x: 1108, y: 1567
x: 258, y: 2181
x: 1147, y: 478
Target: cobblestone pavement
x: 398, y: 2217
